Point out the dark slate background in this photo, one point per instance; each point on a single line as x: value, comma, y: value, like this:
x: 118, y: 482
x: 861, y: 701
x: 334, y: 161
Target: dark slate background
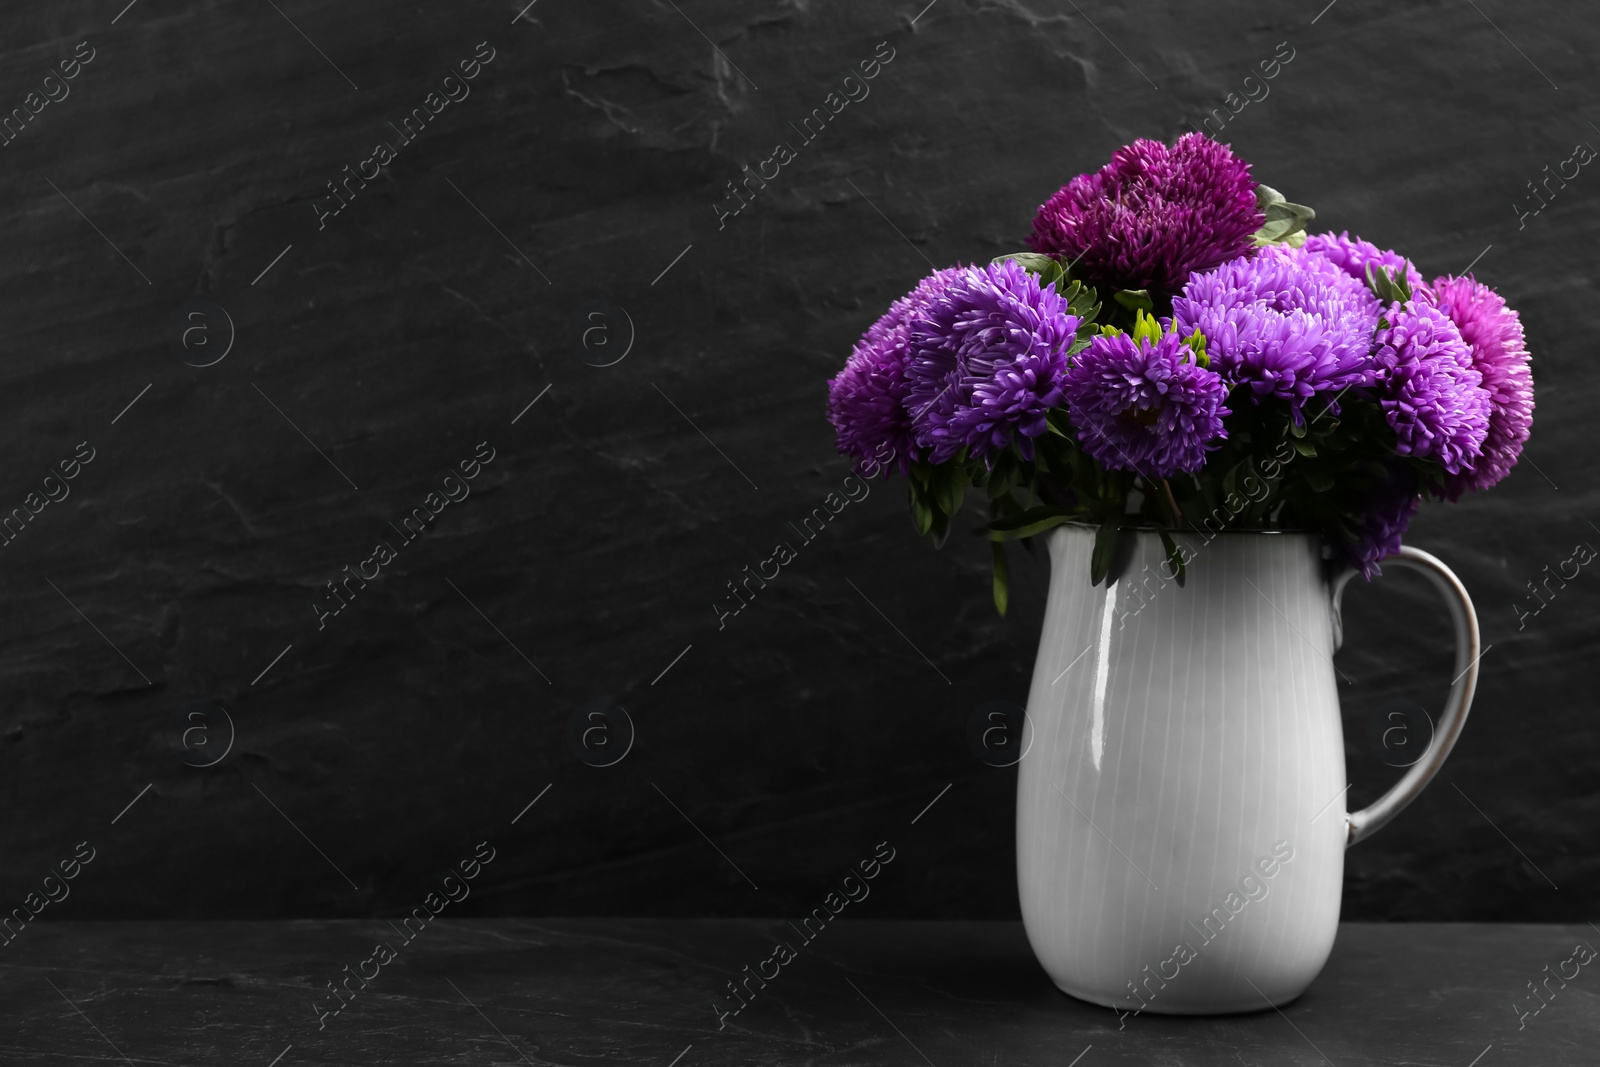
x: 429, y: 313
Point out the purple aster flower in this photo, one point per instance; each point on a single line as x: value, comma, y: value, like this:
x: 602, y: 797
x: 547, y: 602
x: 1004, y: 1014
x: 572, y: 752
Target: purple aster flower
x: 1388, y: 513
x: 1152, y: 215
x: 988, y: 355
x: 1145, y: 407
x: 866, y: 400
x: 1432, y: 395
x: 1499, y: 353
x: 1287, y: 321
x: 1352, y: 254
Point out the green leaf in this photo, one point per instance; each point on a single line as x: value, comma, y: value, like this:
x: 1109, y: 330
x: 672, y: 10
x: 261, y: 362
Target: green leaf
x: 1283, y: 220
x: 1320, y: 481
x: 1050, y: 270
x: 1304, y: 447
x: 1002, y: 578
x: 1174, y: 557
x: 1134, y: 299
x: 921, y: 515
x: 1390, y: 285
x: 947, y: 487
x: 1053, y: 275
x: 1145, y: 327
x: 1032, y: 262
x: 1197, y: 344
x: 1082, y: 301
x: 1105, y: 546
x: 1031, y: 522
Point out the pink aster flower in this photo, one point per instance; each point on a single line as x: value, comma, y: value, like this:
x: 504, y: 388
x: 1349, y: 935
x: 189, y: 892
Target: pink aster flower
x: 1494, y: 333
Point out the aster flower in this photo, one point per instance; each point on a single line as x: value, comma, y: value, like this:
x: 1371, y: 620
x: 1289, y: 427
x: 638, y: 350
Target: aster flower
x: 1287, y: 321
x: 1383, y: 521
x: 866, y: 400
x: 1352, y: 254
x: 988, y: 354
x: 1432, y: 395
x: 1499, y: 353
x: 1152, y: 215
x: 1145, y: 405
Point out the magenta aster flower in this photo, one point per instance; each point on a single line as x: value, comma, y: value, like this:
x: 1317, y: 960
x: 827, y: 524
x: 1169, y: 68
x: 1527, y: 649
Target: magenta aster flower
x: 1388, y: 513
x: 1152, y: 215
x: 1352, y: 254
x: 1146, y: 407
x: 1499, y: 353
x: 866, y: 400
x: 1287, y: 321
x: 988, y: 354
x: 1432, y: 395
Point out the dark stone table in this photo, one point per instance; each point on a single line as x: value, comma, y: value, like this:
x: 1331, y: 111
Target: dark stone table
x: 589, y: 991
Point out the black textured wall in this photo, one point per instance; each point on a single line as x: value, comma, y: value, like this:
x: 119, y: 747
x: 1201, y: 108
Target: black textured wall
x: 571, y: 208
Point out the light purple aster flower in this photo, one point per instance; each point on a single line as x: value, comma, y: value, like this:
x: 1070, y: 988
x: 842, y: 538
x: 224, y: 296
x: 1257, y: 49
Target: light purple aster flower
x: 1500, y: 355
x: 1352, y: 254
x: 1432, y: 395
x: 1152, y: 215
x: 1145, y: 407
x: 1387, y: 514
x: 988, y: 355
x: 866, y: 400
x: 1288, y: 322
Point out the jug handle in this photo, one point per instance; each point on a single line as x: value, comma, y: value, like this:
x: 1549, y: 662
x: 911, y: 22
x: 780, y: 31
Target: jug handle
x: 1362, y: 824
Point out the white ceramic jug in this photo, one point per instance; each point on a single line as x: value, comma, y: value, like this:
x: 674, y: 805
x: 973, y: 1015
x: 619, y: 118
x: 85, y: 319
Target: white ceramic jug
x: 1180, y: 806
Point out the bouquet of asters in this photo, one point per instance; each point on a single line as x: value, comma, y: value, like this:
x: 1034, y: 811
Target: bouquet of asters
x: 1178, y: 353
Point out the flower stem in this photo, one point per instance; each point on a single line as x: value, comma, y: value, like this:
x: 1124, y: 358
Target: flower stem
x: 1172, y: 502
